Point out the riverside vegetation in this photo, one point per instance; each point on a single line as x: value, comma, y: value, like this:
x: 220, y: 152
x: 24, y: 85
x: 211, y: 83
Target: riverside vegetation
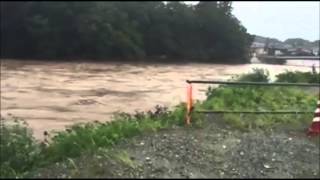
x: 129, y: 31
x: 22, y: 155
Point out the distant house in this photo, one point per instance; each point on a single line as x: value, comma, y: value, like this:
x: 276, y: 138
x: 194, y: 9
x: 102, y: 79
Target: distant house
x: 267, y: 46
x: 257, y: 48
x: 301, y: 52
x: 271, y: 46
x: 276, y: 49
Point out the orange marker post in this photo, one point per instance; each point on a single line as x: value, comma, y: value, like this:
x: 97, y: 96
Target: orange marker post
x: 189, y: 103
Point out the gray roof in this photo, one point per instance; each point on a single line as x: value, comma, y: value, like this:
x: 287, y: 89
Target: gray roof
x: 257, y: 45
x: 271, y: 45
x: 277, y: 46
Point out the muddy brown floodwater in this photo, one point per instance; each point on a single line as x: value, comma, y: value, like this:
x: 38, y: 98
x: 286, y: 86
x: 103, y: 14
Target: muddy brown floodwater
x: 52, y: 95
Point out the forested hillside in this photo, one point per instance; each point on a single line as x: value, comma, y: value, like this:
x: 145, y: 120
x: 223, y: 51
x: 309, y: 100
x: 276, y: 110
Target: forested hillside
x: 123, y: 30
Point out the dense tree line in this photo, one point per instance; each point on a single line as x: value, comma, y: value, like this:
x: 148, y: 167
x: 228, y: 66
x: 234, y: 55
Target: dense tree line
x: 124, y: 30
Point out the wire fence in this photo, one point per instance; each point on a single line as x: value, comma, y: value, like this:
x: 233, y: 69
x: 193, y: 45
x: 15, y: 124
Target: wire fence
x: 190, y: 108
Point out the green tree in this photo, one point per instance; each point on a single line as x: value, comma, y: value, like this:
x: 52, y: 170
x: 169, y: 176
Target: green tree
x: 124, y: 30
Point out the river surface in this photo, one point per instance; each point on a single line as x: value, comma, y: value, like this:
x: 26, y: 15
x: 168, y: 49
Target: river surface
x: 53, y: 95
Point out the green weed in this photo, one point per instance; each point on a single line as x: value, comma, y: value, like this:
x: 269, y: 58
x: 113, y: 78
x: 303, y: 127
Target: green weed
x: 245, y: 98
x: 298, y: 77
x: 123, y: 157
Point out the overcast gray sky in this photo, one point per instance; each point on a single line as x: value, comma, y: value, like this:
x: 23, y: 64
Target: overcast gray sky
x: 280, y: 19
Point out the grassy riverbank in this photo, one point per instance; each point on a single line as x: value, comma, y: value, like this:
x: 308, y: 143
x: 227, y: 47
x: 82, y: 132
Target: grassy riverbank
x: 22, y: 156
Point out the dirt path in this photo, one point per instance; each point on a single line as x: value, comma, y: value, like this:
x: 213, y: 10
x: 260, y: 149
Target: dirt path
x: 214, y: 151
x: 50, y: 96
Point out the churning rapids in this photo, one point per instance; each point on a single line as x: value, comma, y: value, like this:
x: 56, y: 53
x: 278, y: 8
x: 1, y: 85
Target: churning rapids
x: 52, y: 95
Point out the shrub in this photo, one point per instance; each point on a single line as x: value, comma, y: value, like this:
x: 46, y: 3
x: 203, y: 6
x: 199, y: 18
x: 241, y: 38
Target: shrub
x: 258, y: 75
x: 19, y: 150
x: 90, y: 136
x: 261, y: 99
x: 298, y: 77
x: 21, y: 153
x: 252, y: 98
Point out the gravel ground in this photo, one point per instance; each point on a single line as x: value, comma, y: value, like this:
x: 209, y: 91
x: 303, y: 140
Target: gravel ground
x: 215, y: 151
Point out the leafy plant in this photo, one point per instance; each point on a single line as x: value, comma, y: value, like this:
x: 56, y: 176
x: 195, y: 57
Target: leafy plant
x: 20, y: 152
x: 298, y: 77
x: 91, y: 136
x: 125, y: 158
x: 261, y: 99
x: 258, y: 75
x: 18, y: 149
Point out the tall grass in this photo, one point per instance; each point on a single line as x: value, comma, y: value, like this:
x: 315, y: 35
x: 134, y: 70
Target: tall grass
x: 90, y: 136
x: 261, y: 99
x: 21, y: 153
x: 258, y: 75
x: 298, y: 77
x: 18, y: 149
x: 245, y: 98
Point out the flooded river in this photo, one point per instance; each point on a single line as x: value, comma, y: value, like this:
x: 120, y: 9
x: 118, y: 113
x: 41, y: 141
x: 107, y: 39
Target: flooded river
x: 50, y: 96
